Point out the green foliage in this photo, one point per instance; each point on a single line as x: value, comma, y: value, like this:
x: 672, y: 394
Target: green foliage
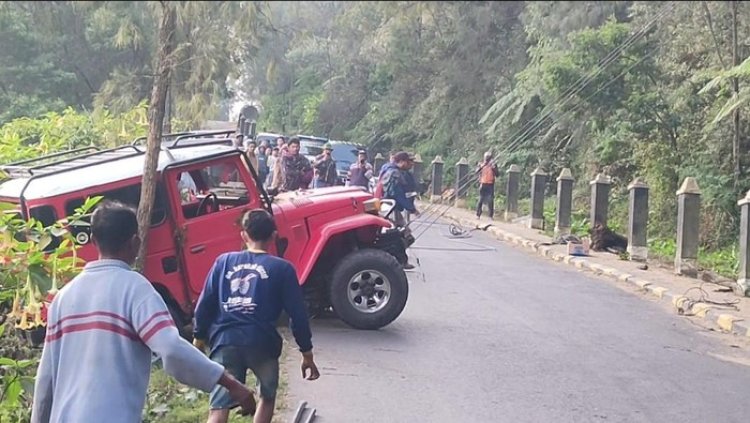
x: 413, y: 74
x: 36, y: 261
x: 25, y: 138
x: 535, y: 81
x: 100, y: 55
x: 664, y: 249
x: 16, y: 380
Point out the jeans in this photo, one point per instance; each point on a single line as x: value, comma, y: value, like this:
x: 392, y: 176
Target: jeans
x: 237, y: 360
x: 486, y: 195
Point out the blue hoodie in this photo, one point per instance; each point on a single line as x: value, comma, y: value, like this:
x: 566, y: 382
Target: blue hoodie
x: 395, y: 187
x: 243, y: 298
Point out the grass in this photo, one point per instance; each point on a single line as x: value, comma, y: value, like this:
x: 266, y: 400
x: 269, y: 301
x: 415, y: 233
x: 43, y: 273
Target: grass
x: 169, y: 401
x: 724, y: 261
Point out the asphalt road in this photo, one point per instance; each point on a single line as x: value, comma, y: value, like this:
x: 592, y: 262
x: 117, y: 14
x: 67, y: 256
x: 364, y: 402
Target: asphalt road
x: 498, y: 335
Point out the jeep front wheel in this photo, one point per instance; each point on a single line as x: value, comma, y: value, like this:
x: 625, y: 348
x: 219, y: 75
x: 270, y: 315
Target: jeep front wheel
x: 369, y: 289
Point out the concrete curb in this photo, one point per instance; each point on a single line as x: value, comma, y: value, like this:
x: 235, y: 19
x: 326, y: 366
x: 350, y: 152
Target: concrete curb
x: 726, y: 322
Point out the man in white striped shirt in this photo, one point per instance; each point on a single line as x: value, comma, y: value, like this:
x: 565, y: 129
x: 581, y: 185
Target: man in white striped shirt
x: 101, y: 330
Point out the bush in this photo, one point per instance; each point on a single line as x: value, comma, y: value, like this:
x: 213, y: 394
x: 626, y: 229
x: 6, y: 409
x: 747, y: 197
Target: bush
x: 33, y: 270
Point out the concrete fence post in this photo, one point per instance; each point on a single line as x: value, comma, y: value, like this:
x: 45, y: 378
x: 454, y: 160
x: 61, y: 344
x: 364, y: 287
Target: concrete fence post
x: 638, y: 220
x: 538, y: 185
x: 511, y: 192
x: 688, y: 225
x: 378, y: 162
x: 564, y: 203
x: 417, y: 169
x: 600, y: 199
x: 462, y: 185
x: 743, y: 279
x: 437, y: 179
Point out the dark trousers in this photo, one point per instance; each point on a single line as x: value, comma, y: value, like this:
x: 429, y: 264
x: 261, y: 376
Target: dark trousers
x: 486, y: 196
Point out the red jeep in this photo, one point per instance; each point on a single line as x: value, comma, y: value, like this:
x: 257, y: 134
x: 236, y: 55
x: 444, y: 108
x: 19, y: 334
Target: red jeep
x: 347, y: 255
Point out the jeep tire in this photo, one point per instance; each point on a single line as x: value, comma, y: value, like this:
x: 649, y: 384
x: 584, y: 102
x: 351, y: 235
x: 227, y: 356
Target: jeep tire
x: 369, y: 289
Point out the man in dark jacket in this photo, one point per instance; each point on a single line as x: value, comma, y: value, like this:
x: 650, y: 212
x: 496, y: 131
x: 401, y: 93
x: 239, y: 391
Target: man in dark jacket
x: 296, y: 169
x: 360, y: 172
x: 325, y: 168
x: 395, y: 183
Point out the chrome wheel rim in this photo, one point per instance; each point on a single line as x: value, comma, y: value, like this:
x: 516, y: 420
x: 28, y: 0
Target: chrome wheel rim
x: 369, y: 291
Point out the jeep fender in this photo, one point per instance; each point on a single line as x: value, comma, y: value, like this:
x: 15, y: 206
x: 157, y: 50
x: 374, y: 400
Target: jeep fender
x: 320, y: 236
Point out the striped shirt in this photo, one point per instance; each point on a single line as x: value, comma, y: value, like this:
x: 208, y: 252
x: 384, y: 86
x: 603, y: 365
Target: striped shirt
x: 96, y: 363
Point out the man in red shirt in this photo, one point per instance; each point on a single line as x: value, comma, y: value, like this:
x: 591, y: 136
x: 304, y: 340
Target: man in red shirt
x: 487, y: 171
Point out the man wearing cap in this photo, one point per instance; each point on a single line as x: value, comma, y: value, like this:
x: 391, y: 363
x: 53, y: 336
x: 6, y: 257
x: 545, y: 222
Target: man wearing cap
x: 325, y: 168
x: 360, y: 172
x: 487, y: 171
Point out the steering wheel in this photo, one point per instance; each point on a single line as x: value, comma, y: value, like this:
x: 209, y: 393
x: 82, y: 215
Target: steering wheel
x: 204, y: 202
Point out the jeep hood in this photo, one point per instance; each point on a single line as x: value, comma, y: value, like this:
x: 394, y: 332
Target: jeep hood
x: 303, y: 204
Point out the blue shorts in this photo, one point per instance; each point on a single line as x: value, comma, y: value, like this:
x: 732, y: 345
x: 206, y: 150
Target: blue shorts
x: 237, y: 361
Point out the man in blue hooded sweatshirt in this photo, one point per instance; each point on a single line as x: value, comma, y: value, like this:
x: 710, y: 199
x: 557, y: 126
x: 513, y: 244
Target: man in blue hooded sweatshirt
x: 237, y: 312
x: 397, y: 182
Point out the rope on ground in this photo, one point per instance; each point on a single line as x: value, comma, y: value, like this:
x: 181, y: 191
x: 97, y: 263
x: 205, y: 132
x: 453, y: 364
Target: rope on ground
x: 458, y: 231
x: 477, y: 249
x: 686, y: 307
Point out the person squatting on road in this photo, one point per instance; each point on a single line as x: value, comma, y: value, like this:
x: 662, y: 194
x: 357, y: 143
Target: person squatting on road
x: 487, y: 173
x: 237, y: 311
x: 325, y: 169
x: 102, y: 328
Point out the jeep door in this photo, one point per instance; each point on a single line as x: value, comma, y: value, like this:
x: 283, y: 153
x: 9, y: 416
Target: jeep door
x: 209, y: 199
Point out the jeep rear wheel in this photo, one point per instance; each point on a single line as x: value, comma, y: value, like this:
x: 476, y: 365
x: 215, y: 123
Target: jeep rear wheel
x: 369, y: 289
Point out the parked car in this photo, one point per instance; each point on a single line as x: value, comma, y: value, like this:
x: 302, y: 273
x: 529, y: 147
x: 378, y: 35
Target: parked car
x: 346, y: 254
x: 311, y: 146
x: 268, y: 137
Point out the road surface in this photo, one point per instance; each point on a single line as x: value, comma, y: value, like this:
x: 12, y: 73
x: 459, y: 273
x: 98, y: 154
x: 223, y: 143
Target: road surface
x: 498, y: 335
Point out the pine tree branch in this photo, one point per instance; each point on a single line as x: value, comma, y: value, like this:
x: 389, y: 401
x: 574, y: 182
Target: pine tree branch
x: 713, y: 34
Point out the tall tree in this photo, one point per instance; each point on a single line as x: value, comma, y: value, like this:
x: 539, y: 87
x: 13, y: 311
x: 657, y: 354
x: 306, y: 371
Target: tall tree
x: 736, y: 89
x: 156, y: 112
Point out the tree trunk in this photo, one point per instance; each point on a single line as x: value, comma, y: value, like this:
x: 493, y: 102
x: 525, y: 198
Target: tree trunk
x: 168, y: 112
x: 156, y: 113
x: 736, y: 88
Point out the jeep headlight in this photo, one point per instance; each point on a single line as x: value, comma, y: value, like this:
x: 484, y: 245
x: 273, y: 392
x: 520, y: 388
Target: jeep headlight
x: 372, y: 206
